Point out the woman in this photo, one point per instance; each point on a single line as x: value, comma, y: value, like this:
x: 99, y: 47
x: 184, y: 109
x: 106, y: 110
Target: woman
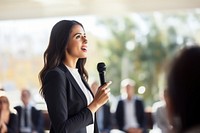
x: 8, y: 120
x: 183, y: 92
x: 69, y: 100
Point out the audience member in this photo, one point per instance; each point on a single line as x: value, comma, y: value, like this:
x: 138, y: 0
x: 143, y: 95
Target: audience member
x: 183, y: 91
x: 30, y: 119
x: 103, y: 113
x: 159, y: 115
x: 8, y: 119
x: 130, y: 115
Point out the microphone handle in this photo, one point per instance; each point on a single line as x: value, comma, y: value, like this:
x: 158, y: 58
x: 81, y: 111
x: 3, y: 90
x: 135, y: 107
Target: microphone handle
x: 102, y: 78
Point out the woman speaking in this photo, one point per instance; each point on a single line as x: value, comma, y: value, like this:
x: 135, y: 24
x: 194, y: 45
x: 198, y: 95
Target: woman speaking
x: 70, y: 102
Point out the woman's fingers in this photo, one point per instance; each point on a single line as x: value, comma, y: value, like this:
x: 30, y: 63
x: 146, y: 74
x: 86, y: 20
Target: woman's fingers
x: 105, y: 85
x: 101, y: 97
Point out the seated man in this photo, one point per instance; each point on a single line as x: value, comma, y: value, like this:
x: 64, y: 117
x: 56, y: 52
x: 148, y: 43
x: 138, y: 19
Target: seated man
x: 29, y: 118
x: 130, y: 113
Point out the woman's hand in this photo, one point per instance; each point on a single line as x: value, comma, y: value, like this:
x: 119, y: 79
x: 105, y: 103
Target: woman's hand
x: 3, y: 128
x: 101, y: 97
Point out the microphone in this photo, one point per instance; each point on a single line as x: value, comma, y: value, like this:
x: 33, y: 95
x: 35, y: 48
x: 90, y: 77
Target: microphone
x: 101, y: 67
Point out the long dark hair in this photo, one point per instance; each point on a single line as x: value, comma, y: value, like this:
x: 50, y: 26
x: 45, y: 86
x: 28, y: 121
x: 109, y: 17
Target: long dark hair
x: 184, y: 88
x: 54, y: 55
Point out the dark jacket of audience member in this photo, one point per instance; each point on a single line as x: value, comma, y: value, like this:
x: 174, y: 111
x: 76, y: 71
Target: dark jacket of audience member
x: 36, y: 117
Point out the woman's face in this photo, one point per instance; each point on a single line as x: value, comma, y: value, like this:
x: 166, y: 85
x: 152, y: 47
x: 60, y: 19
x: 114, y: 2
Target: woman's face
x: 77, y: 44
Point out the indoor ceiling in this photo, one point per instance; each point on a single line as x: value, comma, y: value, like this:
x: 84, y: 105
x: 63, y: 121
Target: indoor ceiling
x: 23, y: 9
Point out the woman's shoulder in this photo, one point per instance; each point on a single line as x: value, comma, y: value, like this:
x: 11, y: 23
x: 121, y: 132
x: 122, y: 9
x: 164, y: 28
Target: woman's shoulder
x: 54, y: 75
x: 57, y: 71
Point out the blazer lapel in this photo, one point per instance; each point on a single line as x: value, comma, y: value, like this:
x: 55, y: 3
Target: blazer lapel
x: 74, y: 83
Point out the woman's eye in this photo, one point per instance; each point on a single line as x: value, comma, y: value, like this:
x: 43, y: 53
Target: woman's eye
x: 77, y: 37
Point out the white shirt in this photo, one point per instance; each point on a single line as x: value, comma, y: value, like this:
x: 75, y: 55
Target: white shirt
x: 77, y: 77
x: 159, y: 113
x: 130, y: 117
x: 22, y: 126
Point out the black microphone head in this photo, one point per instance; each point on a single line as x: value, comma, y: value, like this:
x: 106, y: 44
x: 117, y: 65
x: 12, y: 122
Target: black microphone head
x: 101, y: 67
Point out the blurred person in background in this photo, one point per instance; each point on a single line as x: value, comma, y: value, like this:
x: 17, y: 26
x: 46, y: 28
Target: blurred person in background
x: 104, y: 119
x: 183, y: 91
x: 130, y: 115
x: 159, y: 115
x: 8, y: 119
x: 29, y: 118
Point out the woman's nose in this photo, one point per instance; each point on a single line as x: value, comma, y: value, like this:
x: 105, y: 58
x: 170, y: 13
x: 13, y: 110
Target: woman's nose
x: 85, y: 39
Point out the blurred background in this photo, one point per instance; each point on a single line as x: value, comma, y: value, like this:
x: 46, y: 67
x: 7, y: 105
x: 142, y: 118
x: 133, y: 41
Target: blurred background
x: 135, y: 39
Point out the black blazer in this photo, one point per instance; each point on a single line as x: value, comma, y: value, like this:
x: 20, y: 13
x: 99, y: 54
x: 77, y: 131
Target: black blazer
x: 36, y: 118
x: 140, y: 114
x: 66, y: 103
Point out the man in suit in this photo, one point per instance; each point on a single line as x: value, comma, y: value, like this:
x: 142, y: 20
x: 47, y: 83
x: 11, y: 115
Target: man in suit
x: 130, y: 115
x: 29, y: 118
